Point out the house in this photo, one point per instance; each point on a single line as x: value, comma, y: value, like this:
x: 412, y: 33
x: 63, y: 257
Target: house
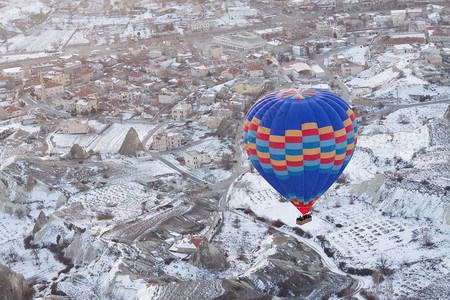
x: 30, y: 119
x: 10, y: 112
x: 104, y: 84
x: 403, y: 48
x: 214, y: 52
x: 6, y: 82
x: 255, y: 71
x: 199, y: 71
x: 183, y: 55
x: 242, y: 41
x: 51, y: 90
x: 123, y: 96
x: 438, y: 34
x: 358, y: 92
x: 136, y: 77
x: 323, y: 27
x: 168, y: 97
x: 75, y: 126
x: 213, y: 122
x: 400, y: 39
x: 337, y: 31
x: 350, y: 68
x: 188, y: 246
x: 305, y: 49
x: 166, y: 141
x: 181, y: 111
x: 61, y: 78
x: 207, y: 99
x: 194, y: 159
x: 86, y: 76
x: 17, y: 73
x: 86, y: 106
x: 241, y: 12
x: 200, y: 25
x: 230, y: 73
x: 252, y: 85
x: 398, y: 17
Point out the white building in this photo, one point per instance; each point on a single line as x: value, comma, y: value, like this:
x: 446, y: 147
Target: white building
x: 240, y: 41
x: 200, y: 25
x: 351, y: 68
x: 199, y: 71
x: 195, y: 159
x: 52, y: 89
x: 241, y: 12
x: 86, y: 106
x: 75, y: 126
x: 166, y: 141
x: 213, y: 122
x: 16, y: 73
x: 403, y: 48
x: 181, y: 111
x: 168, y: 97
x: 398, y: 17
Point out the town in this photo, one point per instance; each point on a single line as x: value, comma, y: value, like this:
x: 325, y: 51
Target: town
x: 121, y: 157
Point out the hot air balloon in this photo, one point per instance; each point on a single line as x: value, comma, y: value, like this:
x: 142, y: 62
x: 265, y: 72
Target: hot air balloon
x: 300, y: 141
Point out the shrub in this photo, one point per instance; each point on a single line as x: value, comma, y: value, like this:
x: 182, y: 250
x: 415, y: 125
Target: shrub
x: 425, y: 182
x: 278, y: 223
x: 105, y: 216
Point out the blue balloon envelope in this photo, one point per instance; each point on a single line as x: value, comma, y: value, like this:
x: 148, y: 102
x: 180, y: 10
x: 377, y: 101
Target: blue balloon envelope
x: 300, y: 141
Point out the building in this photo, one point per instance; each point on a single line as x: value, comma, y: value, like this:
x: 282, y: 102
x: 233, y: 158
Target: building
x: 398, y: 17
x: 403, y: 48
x: 194, y: 159
x: 123, y: 96
x: 201, y: 25
x: 52, y: 90
x: 358, y: 92
x: 242, y: 41
x: 213, y: 122
x: 255, y: 71
x: 241, y: 12
x: 323, y: 27
x: 75, y: 126
x: 199, y: 71
x: 17, y: 73
x: 6, y: 82
x: 168, y: 97
x: 181, y: 111
x: 252, y: 85
x: 438, y: 34
x: 350, y: 68
x: 166, y: 141
x: 30, y: 119
x: 337, y: 31
x: 9, y: 112
x: 86, y: 106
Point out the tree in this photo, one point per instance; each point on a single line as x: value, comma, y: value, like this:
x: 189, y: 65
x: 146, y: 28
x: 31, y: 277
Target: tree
x: 227, y: 161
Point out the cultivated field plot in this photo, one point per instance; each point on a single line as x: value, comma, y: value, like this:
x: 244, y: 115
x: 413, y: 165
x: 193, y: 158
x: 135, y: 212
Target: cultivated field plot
x: 117, y: 202
x: 243, y: 240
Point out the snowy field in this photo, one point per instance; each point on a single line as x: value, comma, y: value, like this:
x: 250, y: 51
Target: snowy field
x: 392, y: 75
x: 111, y: 140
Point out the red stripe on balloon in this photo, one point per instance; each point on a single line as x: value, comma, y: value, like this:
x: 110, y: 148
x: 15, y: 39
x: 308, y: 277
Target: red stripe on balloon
x: 311, y: 157
x: 276, y: 145
x: 294, y: 139
x: 341, y: 139
x: 327, y: 160
x: 279, y: 168
x: 309, y: 132
x: 262, y: 136
x: 327, y: 136
x: 295, y: 163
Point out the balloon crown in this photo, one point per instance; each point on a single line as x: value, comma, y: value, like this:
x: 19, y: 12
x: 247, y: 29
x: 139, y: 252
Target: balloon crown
x: 297, y: 94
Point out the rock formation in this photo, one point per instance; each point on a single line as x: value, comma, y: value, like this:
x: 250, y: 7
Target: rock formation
x: 131, y: 143
x: 208, y: 257
x: 41, y: 220
x: 13, y: 286
x: 76, y: 152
